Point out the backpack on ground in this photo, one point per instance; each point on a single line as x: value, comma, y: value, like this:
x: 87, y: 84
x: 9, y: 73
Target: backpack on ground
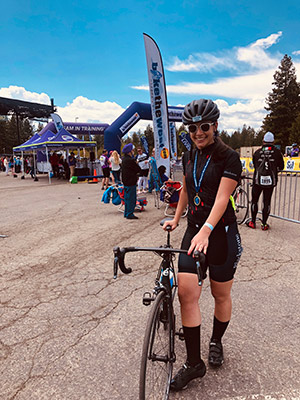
x: 265, y: 175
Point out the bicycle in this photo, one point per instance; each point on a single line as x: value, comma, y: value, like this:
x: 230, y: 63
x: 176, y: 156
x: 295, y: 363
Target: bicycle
x: 240, y: 201
x: 158, y: 354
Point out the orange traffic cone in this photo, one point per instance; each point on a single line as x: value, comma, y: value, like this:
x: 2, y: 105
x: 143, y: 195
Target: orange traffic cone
x: 95, y: 180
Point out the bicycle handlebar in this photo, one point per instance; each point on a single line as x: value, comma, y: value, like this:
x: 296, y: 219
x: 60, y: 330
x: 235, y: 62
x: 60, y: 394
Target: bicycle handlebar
x: 119, y: 258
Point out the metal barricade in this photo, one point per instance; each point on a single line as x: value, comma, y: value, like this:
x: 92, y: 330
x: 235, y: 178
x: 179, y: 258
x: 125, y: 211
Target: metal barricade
x: 285, y: 203
x: 286, y: 197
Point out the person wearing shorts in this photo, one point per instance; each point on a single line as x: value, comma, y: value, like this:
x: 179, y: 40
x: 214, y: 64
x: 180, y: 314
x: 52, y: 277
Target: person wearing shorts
x: 104, y: 162
x: 211, y: 173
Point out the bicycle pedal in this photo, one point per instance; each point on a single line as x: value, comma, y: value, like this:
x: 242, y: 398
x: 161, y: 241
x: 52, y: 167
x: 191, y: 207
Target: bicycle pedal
x: 180, y: 334
x: 147, y: 298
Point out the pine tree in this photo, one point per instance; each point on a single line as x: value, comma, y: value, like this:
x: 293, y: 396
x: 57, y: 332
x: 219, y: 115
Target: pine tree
x: 148, y: 132
x: 283, y: 103
x: 295, y: 131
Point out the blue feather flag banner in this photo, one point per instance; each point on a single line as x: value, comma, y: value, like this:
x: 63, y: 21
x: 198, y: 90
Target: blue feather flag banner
x: 145, y: 144
x: 185, y: 139
x: 159, y: 104
x: 173, y: 141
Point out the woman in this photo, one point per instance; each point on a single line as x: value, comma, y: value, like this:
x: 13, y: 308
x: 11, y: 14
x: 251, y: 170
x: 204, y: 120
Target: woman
x: 211, y: 172
x: 115, y: 161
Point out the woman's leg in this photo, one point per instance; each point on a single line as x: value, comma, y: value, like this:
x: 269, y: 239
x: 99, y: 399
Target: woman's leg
x: 189, y: 293
x: 221, y: 292
x: 140, y: 183
x: 145, y: 182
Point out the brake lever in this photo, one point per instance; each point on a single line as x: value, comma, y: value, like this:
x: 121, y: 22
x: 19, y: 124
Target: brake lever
x: 120, y: 262
x: 200, y: 260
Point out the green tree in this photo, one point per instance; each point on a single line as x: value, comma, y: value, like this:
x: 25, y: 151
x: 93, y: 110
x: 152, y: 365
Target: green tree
x: 225, y: 137
x: 149, y: 134
x: 135, y: 139
x: 235, y: 140
x: 283, y: 103
x: 247, y: 136
x: 295, y: 131
x: 258, y: 139
x: 100, y: 144
x: 3, y: 133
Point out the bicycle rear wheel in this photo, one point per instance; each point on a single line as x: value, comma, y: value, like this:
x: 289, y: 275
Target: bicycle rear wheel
x: 158, y: 351
x: 241, y: 205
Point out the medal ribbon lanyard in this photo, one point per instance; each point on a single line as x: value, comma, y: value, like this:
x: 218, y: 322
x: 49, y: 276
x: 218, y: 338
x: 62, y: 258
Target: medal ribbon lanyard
x: 198, y: 184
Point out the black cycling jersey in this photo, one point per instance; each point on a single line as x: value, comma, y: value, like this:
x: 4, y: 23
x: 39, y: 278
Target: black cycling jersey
x: 229, y: 166
x: 275, y: 159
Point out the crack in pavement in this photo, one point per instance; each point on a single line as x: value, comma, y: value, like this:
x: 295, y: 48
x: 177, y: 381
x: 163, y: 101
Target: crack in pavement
x: 96, y: 321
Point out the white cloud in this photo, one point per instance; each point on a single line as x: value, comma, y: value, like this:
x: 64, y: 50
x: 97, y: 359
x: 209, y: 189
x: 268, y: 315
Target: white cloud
x: 233, y: 117
x: 237, y: 87
x: 20, y: 93
x: 238, y: 58
x: 204, y: 62
x: 255, y: 54
x: 81, y: 109
x: 296, y: 53
x: 87, y: 110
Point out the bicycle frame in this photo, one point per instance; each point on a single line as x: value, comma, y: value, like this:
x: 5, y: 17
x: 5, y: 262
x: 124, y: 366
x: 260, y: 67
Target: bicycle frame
x: 158, y: 353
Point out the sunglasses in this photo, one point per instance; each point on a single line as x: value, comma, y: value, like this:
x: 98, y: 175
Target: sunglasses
x: 205, y: 127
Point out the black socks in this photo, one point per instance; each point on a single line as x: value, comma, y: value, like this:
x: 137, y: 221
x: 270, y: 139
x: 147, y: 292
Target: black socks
x: 192, y: 343
x: 192, y: 340
x: 219, y: 329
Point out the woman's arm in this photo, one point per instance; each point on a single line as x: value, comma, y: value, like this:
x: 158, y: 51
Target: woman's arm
x: 200, y: 241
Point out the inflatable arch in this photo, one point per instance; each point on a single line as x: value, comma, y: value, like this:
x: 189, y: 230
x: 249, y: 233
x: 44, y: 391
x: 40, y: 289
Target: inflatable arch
x: 114, y: 132
x: 125, y: 122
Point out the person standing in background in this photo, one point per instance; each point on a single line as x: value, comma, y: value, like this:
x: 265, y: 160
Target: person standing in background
x: 142, y: 160
x: 104, y: 162
x: 267, y: 156
x: 115, y: 161
x: 72, y: 164
x: 130, y: 170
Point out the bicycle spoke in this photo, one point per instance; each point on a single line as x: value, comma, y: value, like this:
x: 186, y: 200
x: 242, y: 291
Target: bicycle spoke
x: 156, y: 369
x: 241, y: 205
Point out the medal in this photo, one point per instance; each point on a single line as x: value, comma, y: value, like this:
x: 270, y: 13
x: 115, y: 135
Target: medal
x: 197, y: 199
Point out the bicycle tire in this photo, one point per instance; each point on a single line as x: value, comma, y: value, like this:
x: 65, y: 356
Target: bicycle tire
x: 158, y: 351
x: 241, y: 205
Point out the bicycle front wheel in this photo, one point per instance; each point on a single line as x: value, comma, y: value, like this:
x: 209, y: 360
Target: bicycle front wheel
x: 241, y: 205
x: 158, y: 351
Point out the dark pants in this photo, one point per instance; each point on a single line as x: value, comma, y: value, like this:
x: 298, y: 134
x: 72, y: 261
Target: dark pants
x: 116, y: 175
x: 130, y: 200
x: 267, y: 194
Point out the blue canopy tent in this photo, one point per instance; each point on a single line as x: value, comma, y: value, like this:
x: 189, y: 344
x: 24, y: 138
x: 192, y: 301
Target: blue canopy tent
x: 62, y: 140
x: 32, y: 144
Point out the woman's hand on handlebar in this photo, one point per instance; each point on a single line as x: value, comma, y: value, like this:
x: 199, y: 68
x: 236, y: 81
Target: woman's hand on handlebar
x: 200, y: 241
x: 172, y: 223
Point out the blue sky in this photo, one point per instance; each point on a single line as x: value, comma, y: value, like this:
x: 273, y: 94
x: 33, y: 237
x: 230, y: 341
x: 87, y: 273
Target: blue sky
x: 90, y: 56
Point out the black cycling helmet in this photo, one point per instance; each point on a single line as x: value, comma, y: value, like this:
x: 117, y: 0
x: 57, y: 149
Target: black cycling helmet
x: 199, y: 110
